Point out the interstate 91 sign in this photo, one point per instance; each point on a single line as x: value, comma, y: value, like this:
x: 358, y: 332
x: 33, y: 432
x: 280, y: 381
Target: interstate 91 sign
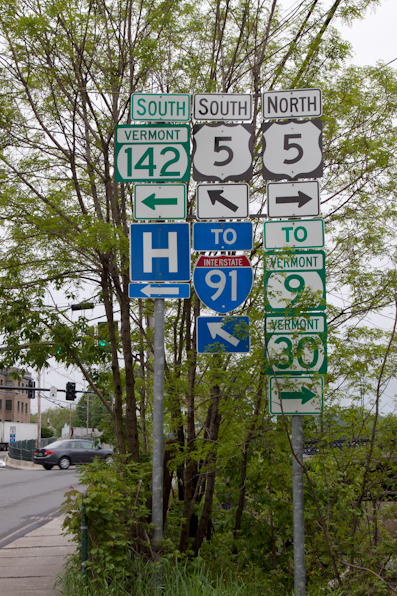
x: 223, y: 283
x: 292, y: 149
x: 222, y: 152
x: 152, y: 153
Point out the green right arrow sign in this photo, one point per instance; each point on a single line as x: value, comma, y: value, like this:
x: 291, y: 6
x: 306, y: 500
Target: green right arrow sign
x: 299, y: 395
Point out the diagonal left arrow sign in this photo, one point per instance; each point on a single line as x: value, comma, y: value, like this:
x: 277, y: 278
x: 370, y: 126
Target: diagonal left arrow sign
x: 216, y: 329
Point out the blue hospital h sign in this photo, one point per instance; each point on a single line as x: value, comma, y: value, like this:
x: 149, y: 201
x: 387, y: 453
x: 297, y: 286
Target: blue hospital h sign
x: 160, y: 252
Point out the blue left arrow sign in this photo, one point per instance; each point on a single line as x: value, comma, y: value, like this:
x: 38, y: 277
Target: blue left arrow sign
x: 167, y: 291
x: 223, y: 334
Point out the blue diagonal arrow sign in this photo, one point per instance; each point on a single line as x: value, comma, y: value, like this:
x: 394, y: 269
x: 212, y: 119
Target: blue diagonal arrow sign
x: 223, y: 334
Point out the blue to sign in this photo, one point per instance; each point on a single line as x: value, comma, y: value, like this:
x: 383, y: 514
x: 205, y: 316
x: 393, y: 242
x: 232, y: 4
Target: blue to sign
x: 222, y: 236
x: 160, y: 252
x: 223, y: 334
x: 223, y: 283
x: 167, y: 291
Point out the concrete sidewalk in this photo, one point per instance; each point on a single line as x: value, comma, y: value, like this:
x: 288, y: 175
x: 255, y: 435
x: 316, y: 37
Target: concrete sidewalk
x: 29, y: 565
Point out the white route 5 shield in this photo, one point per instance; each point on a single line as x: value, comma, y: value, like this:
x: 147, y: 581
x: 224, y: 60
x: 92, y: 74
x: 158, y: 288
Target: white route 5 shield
x: 292, y: 149
x: 222, y: 152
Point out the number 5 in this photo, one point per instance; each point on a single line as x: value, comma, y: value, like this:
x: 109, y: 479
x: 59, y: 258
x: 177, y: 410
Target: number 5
x: 288, y: 145
x: 218, y: 148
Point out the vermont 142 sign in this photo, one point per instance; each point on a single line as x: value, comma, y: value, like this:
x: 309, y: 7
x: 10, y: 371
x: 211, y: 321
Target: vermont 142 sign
x: 152, y: 153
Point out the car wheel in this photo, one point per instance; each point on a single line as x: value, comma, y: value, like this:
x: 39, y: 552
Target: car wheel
x: 47, y: 467
x: 64, y: 463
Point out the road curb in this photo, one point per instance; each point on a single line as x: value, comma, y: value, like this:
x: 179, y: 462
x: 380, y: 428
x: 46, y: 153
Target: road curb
x: 20, y: 464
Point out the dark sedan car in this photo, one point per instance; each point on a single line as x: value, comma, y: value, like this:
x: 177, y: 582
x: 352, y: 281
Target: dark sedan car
x: 69, y: 452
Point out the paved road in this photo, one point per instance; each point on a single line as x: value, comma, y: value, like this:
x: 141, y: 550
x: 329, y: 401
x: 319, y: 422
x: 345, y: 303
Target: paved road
x: 30, y: 498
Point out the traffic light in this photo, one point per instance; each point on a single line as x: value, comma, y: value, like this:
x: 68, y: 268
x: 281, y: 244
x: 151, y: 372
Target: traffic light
x: 31, y: 385
x: 70, y: 391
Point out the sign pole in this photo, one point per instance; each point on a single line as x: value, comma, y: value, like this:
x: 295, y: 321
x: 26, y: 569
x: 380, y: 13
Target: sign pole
x: 158, y: 421
x: 298, y: 507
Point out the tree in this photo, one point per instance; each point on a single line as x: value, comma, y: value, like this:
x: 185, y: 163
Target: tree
x: 68, y: 71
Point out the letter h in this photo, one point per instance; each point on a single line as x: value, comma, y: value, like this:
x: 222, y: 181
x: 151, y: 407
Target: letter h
x: 150, y: 253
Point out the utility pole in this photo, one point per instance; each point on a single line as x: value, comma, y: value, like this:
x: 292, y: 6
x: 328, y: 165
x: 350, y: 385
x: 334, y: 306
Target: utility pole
x: 38, y: 409
x: 298, y: 507
x: 88, y: 410
x: 158, y: 422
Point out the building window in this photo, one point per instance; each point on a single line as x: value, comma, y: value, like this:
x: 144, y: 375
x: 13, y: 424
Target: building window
x: 19, y: 383
x: 1, y: 403
x: 26, y: 408
x: 9, y: 383
x: 8, y: 405
x: 1, y: 381
x: 18, y: 407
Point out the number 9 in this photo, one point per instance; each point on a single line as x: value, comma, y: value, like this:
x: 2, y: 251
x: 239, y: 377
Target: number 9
x: 220, y: 284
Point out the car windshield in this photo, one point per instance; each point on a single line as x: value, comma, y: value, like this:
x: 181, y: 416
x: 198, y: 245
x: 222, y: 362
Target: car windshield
x: 54, y: 444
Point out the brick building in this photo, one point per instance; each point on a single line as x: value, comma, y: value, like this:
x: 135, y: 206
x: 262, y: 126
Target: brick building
x: 14, y: 404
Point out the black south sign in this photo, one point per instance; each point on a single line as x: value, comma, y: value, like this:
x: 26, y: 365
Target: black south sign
x: 222, y: 106
x: 292, y: 149
x: 222, y: 152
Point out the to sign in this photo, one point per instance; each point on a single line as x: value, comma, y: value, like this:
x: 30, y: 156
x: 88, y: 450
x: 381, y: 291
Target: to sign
x: 154, y: 201
x: 222, y: 201
x: 223, y: 283
x: 222, y: 106
x: 222, y: 152
x: 299, y: 395
x: 293, y: 103
x: 160, y: 252
x: 222, y: 236
x: 293, y: 199
x: 295, y: 281
x: 171, y: 107
x: 292, y: 149
x: 307, y: 233
x: 152, y: 153
x: 223, y: 334
x: 296, y: 344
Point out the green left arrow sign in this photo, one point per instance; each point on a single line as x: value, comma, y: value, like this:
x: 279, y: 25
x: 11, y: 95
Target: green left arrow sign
x: 152, y: 202
x: 159, y: 201
x: 304, y: 394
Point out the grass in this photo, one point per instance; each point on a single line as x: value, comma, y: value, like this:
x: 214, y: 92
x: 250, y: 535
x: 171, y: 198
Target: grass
x: 171, y: 579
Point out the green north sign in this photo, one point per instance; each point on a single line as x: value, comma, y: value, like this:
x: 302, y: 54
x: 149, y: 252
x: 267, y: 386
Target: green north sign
x: 296, y: 345
x: 295, y: 281
x: 152, y: 153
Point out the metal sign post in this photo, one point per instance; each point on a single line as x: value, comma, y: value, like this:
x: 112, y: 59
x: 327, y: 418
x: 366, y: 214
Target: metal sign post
x: 298, y: 507
x: 158, y: 421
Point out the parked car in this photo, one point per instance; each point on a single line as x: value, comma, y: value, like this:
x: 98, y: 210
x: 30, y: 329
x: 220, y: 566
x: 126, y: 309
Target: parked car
x: 2, y: 463
x: 69, y: 452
